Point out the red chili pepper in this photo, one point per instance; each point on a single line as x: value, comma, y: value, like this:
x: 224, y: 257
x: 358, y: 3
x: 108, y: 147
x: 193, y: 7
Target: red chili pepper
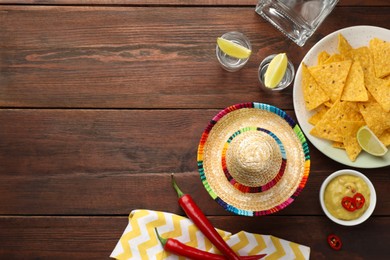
x: 196, y: 215
x: 348, y: 203
x: 359, y: 200
x: 178, y: 248
x: 334, y: 242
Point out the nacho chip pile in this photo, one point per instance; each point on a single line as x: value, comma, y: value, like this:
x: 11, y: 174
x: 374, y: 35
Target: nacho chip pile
x: 348, y: 90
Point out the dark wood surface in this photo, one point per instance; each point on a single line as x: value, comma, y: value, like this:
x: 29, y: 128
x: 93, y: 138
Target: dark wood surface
x: 101, y: 101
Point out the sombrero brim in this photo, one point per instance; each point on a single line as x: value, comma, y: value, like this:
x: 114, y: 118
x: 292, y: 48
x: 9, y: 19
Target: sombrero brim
x: 253, y: 116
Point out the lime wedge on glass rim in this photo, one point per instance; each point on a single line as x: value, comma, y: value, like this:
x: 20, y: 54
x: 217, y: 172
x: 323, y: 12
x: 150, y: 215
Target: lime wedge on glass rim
x: 233, y: 49
x: 370, y: 142
x: 276, y: 70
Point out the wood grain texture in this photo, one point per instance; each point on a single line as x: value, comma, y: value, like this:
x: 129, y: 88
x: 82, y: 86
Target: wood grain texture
x: 178, y: 2
x: 117, y: 194
x: 111, y: 57
x: 90, y: 160
x: 100, y: 101
x: 95, y: 237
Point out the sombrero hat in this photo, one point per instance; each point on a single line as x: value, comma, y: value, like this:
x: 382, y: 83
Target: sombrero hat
x: 253, y: 159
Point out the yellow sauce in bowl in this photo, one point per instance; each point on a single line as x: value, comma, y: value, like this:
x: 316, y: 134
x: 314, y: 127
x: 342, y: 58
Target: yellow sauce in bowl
x: 340, y: 187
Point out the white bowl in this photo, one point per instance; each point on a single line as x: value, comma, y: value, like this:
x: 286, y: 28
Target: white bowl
x: 370, y: 208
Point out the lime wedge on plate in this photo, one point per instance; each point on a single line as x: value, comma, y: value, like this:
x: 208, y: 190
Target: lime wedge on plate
x: 276, y: 70
x: 370, y: 142
x: 233, y: 49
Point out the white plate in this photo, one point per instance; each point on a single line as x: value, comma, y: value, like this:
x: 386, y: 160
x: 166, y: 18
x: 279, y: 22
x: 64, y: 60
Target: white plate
x: 357, y: 36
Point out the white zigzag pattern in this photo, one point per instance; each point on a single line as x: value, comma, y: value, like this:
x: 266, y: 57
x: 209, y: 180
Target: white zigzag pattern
x: 201, y: 240
x: 252, y: 244
x: 287, y: 249
x: 153, y: 251
x: 184, y: 226
x: 233, y: 240
x: 270, y: 245
x: 184, y: 238
x: 118, y: 248
x: 305, y: 251
x: 135, y: 242
x: 168, y: 227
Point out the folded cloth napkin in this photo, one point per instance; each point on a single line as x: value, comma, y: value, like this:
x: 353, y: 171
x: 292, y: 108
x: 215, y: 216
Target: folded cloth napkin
x: 139, y: 240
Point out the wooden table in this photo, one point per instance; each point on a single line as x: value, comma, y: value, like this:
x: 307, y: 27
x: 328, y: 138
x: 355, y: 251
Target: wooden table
x: 100, y: 101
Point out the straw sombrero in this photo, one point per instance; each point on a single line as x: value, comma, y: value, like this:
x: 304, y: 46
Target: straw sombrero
x: 253, y: 159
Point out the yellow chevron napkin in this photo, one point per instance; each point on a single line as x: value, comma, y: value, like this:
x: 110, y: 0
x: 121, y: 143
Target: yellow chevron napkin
x: 139, y: 240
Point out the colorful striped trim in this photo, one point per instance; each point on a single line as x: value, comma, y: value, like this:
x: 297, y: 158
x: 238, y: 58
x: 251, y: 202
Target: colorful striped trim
x: 297, y: 131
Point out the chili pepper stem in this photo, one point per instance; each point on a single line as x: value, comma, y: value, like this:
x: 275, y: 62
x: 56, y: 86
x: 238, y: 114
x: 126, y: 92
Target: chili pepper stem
x: 177, y: 189
x: 200, y: 220
x: 162, y: 240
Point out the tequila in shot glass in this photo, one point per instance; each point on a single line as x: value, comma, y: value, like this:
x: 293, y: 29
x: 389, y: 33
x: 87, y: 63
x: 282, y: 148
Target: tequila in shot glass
x: 227, y: 58
x: 286, y: 78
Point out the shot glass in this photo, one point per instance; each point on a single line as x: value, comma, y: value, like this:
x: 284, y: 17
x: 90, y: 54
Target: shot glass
x: 297, y: 19
x: 230, y: 63
x: 287, y: 78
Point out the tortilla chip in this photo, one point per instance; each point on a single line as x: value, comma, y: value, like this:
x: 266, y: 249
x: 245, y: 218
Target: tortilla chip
x: 322, y: 57
x: 328, y: 104
x: 381, y: 53
x: 377, y: 119
x: 385, y: 137
x: 349, y: 130
x: 335, y: 58
x: 357, y: 83
x: 314, y: 119
x: 338, y: 145
x: 379, y: 88
x: 328, y: 126
x: 362, y: 55
x: 313, y: 95
x: 343, y: 45
x: 332, y: 77
x: 354, y: 89
x: 351, y: 112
